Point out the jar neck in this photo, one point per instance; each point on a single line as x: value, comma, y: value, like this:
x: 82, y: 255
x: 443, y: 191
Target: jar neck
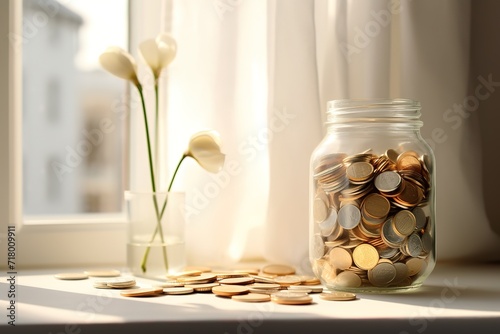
x: 374, y: 114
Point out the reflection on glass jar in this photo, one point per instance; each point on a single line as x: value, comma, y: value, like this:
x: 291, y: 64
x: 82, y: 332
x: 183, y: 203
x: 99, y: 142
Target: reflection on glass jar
x: 372, y: 202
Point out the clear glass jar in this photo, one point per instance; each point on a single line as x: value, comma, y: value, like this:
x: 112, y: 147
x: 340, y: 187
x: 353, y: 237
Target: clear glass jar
x: 372, y: 198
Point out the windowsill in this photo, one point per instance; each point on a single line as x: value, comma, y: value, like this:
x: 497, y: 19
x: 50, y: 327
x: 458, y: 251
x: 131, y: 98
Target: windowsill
x: 455, y: 298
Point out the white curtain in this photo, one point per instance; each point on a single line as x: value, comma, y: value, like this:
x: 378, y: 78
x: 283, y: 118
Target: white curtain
x: 260, y: 72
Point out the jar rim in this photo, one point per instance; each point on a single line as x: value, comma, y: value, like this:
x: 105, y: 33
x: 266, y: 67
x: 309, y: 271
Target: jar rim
x: 374, y: 102
x: 376, y: 110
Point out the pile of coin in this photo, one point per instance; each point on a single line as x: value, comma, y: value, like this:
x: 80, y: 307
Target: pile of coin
x: 274, y: 282
x: 371, y: 219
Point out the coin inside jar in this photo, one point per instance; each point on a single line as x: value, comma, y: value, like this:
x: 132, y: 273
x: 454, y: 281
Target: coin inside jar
x: 349, y: 216
x: 388, y: 181
x: 359, y: 171
x: 365, y: 256
x: 376, y: 206
x: 404, y: 222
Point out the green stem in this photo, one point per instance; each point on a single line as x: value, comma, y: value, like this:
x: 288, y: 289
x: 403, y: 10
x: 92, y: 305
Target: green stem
x: 157, y: 121
x: 153, y: 186
x: 168, y: 192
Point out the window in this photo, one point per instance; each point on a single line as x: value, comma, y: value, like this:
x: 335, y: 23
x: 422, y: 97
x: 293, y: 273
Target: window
x: 74, y: 167
x: 56, y: 237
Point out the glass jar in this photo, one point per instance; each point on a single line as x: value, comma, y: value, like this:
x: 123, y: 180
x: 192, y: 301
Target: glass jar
x: 372, y: 198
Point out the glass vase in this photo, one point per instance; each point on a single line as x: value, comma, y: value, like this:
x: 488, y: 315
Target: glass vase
x: 155, y: 242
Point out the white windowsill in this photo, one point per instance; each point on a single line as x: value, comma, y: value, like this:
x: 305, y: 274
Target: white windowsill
x: 455, y: 299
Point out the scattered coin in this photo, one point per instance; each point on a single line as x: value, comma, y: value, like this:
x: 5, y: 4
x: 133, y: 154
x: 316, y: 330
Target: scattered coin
x: 337, y: 296
x: 204, y: 287
x: 202, y: 278
x: 278, y: 269
x: 71, y: 276
x: 252, y: 298
x: 142, y: 292
x: 288, y: 280
x: 178, y: 291
x: 229, y: 290
x: 291, y: 298
x: 237, y: 281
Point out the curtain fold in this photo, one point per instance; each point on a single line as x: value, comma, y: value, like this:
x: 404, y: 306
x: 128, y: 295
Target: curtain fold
x: 261, y: 73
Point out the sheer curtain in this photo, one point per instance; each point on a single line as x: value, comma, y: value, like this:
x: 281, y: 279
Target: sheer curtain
x: 260, y: 72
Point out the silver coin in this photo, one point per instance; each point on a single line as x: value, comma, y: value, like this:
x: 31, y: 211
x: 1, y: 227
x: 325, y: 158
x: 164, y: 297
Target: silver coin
x: 387, y: 252
x: 349, y: 216
x: 401, y: 272
x: 318, y: 247
x: 427, y: 242
x: 421, y: 218
x: 382, y: 274
x: 329, y: 224
x: 387, y: 181
x: 389, y: 234
x: 414, y: 245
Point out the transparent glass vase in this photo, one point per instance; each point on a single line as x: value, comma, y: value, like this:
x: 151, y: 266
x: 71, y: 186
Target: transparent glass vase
x: 372, y: 198
x: 155, y: 250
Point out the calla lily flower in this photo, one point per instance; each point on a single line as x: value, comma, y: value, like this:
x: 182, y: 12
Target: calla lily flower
x: 204, y: 147
x: 120, y: 63
x: 158, y: 53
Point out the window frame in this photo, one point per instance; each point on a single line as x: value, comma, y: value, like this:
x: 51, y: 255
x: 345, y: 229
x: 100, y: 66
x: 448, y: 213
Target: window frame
x: 85, y: 240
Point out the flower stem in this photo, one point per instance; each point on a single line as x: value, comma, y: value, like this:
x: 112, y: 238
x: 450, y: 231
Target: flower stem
x: 157, y: 121
x: 166, y: 198
x: 153, y: 186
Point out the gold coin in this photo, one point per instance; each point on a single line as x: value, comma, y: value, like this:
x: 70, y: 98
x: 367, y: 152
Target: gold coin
x: 414, y: 265
x: 340, y: 258
x: 288, y: 280
x: 410, y: 196
x: 142, y: 292
x: 291, y: 298
x: 359, y: 171
x: 178, y: 291
x: 237, y: 281
x: 404, y: 223
x: 252, y: 298
x: 337, y: 296
x: 230, y: 274
x: 204, y: 287
x: 262, y: 279
x: 365, y: 256
x: 376, y: 206
x: 407, y: 161
x: 278, y: 269
x: 392, y: 155
x: 202, y: 278
x: 229, y: 290
x: 309, y: 280
x: 347, y: 279
x: 264, y: 286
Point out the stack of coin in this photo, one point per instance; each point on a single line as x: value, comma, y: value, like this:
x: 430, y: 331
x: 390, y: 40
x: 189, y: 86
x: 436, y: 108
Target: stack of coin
x: 371, y: 217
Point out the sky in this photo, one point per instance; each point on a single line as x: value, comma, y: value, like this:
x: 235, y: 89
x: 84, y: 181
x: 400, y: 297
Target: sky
x: 105, y: 24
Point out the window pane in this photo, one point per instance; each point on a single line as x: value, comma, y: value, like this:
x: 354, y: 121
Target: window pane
x: 72, y: 131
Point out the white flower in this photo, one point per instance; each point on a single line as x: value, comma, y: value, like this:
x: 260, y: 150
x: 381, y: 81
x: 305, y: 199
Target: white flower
x: 158, y: 53
x: 120, y: 63
x: 204, y: 147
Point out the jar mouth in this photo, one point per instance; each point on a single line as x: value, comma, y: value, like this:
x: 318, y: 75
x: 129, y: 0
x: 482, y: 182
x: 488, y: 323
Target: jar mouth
x: 374, y: 111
